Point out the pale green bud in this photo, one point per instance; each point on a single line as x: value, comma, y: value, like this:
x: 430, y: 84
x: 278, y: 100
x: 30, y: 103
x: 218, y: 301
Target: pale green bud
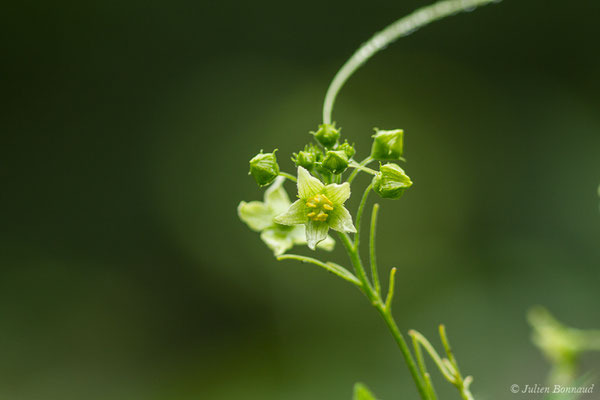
x: 391, y: 181
x: 348, y: 149
x: 304, y: 159
x: 264, y: 168
x: 335, y: 161
x: 307, y: 157
x: 387, y: 145
x: 327, y: 135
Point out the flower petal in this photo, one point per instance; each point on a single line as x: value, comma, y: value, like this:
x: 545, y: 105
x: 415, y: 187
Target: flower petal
x: 256, y: 215
x: 338, y: 194
x: 308, y: 185
x: 298, y: 235
x: 295, y: 214
x: 341, y: 220
x: 277, y: 240
x: 276, y: 198
x: 328, y: 244
x: 315, y: 232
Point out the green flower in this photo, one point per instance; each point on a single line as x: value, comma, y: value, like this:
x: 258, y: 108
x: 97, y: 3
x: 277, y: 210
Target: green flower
x: 319, y: 207
x: 259, y: 217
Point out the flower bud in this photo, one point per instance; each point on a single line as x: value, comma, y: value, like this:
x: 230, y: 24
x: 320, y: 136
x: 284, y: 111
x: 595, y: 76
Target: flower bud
x: 304, y: 159
x: 391, y: 181
x: 327, y: 135
x: 264, y: 168
x: 308, y: 157
x: 335, y: 161
x: 348, y: 149
x: 387, y: 145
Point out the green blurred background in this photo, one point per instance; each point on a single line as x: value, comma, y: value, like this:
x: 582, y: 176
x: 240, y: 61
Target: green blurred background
x: 126, y: 132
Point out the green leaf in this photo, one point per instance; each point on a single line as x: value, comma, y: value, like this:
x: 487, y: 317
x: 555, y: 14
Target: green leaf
x: 342, y: 272
x: 361, y: 392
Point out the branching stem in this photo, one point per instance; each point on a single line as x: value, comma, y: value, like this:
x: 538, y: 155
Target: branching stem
x: 384, y: 309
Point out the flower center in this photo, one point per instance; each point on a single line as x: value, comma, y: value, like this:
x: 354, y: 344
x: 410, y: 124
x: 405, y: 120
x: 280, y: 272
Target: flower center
x: 320, y: 205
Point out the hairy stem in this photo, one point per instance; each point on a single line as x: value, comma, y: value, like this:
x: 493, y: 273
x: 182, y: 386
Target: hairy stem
x: 374, y: 272
x: 384, y: 311
x: 379, y: 41
x: 361, y: 209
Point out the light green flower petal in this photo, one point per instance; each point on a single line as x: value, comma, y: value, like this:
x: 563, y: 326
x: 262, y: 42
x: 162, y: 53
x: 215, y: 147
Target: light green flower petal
x: 277, y: 240
x: 276, y: 197
x: 295, y: 214
x: 308, y: 185
x: 328, y: 244
x: 256, y: 215
x: 338, y: 194
x: 341, y: 220
x: 298, y: 235
x: 315, y: 233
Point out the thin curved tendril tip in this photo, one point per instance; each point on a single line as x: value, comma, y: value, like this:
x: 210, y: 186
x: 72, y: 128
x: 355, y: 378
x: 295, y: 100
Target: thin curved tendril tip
x: 402, y: 27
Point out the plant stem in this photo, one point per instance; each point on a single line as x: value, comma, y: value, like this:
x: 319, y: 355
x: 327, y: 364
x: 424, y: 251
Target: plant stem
x: 329, y: 266
x: 374, y: 272
x: 379, y: 41
x: 358, y: 267
x: 410, y: 362
x: 361, y: 208
x: 363, y: 163
x: 385, y: 313
x: 288, y: 176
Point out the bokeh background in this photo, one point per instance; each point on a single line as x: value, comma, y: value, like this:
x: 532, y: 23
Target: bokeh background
x: 126, y: 132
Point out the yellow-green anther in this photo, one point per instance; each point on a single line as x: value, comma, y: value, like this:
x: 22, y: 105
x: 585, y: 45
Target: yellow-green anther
x: 321, y: 205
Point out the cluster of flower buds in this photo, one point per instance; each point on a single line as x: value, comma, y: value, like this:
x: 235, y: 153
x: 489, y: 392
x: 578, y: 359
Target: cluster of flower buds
x: 264, y: 168
x: 333, y: 158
